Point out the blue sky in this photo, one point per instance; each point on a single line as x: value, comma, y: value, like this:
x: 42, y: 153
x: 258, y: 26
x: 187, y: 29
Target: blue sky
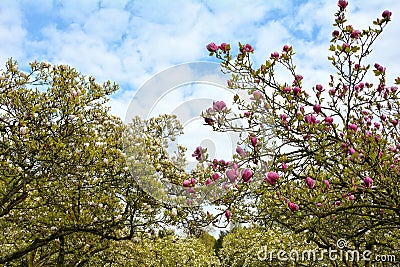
x: 130, y: 41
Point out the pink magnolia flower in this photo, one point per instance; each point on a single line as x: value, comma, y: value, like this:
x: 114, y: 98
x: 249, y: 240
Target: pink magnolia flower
x: 219, y: 105
x: 227, y: 214
x: 379, y: 67
x: 223, y: 47
x: 353, y: 127
x: 247, y: 113
x: 335, y: 33
x: 310, y: 183
x: 351, y: 197
x: 342, y: 4
x: 368, y: 182
x: 275, y: 55
x: 296, y: 90
x: 285, y: 48
x: 352, y: 151
x: 287, y: 89
x: 328, y: 185
x: 215, y: 176
x: 246, y: 175
x: 319, y: 204
x: 292, y: 206
x: 355, y: 34
x: 257, y: 95
x: 386, y: 14
x: 240, y: 151
x: 253, y: 141
x: 186, y: 183
x: 232, y: 174
x: 212, y: 47
x: 271, y: 178
x: 248, y: 48
x: 229, y: 82
x: 328, y: 120
x: 193, y: 181
x: 284, y: 166
x: 198, y: 153
x: 317, y: 108
x: 310, y: 119
x: 208, y: 181
x: 338, y: 203
x: 319, y: 87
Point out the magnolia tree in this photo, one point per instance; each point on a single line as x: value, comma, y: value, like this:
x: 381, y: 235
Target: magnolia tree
x: 167, y: 250
x: 67, y: 188
x: 258, y: 246
x: 322, y: 161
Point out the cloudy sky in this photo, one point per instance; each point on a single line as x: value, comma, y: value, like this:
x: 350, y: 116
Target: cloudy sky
x: 131, y: 41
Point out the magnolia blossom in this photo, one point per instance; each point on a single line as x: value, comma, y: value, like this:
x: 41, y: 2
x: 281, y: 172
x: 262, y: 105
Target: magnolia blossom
x: 275, y: 55
x: 317, y: 108
x: 257, y: 95
x: 248, y: 48
x: 296, y: 90
x: 355, y: 34
x: 208, y: 182
x: 219, y: 106
x: 232, y: 174
x: 328, y: 120
x: 240, y: 151
x: 212, y: 47
x: 342, y: 4
x: 246, y: 175
x: 386, y: 14
x: 198, y: 153
x: 293, y: 207
x: 328, y: 185
x: 224, y: 47
x: 227, y: 214
x: 368, y: 182
x: 272, y: 177
x: 174, y: 212
x: 310, y: 183
x: 215, y: 176
x: 253, y: 141
x: 23, y: 130
x: 284, y: 166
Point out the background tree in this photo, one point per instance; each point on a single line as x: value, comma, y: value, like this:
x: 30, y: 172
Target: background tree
x: 67, y: 190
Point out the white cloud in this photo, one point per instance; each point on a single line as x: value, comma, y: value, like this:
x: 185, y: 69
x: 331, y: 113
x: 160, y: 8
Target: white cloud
x: 12, y: 32
x: 129, y: 41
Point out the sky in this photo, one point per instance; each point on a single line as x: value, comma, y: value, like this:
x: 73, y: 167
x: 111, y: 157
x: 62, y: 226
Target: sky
x: 134, y: 42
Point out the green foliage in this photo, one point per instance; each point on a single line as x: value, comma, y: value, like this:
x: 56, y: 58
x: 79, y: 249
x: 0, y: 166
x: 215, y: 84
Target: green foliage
x: 66, y: 191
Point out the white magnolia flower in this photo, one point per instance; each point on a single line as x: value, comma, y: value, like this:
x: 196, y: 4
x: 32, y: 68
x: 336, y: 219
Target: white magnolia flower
x: 23, y: 130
